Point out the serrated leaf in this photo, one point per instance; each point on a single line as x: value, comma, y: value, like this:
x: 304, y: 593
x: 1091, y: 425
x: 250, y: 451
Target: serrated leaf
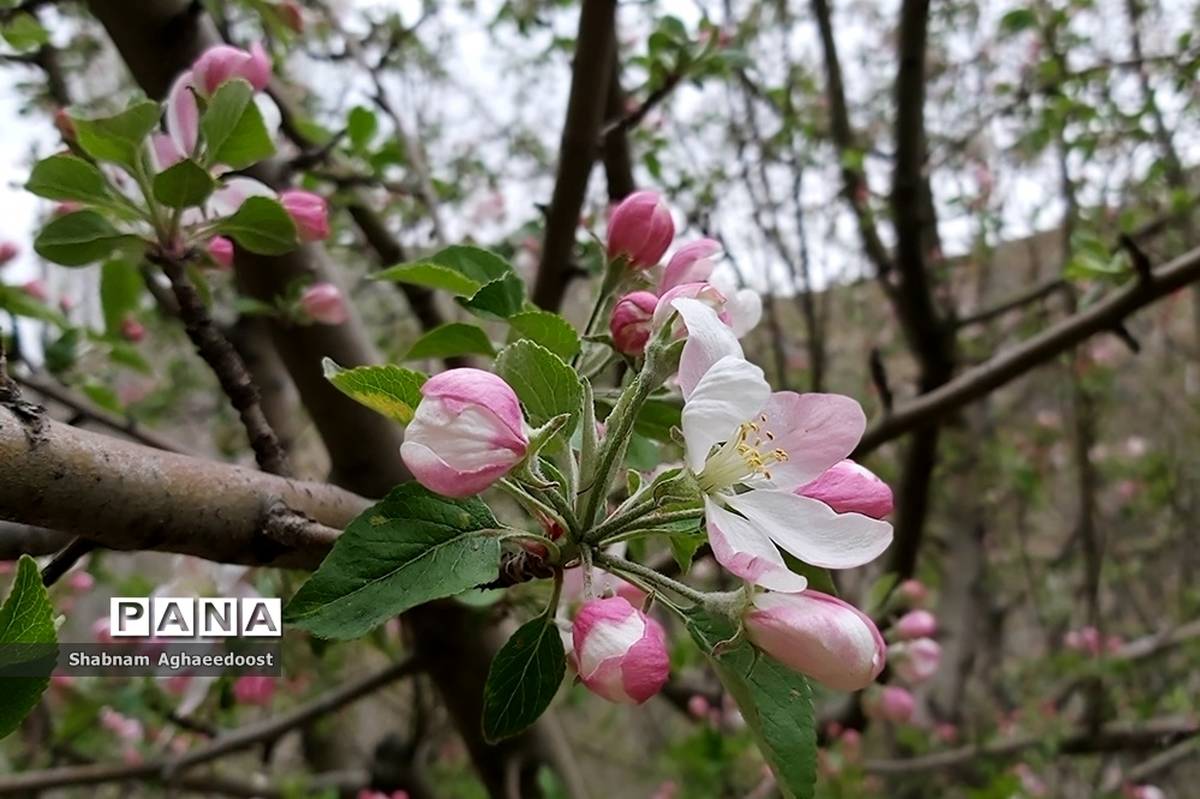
x: 430, y: 276
x: 390, y: 390
x: 460, y: 270
x: 118, y: 138
x: 26, y: 618
x: 66, y: 177
x: 451, y: 340
x: 234, y: 133
x: 184, y: 184
x: 261, y: 226
x: 78, y: 238
x: 548, y: 329
x: 545, y: 384
x: 499, y: 299
x: 775, y: 701
x: 523, y: 679
x: 121, y: 289
x: 411, y: 548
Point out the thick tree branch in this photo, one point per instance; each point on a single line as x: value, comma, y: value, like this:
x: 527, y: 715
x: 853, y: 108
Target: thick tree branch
x: 591, y: 72
x: 1012, y: 363
x: 125, y: 496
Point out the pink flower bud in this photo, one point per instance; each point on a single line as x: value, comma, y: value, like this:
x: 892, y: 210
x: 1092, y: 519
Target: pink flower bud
x: 916, y: 661
x: 698, y: 706
x: 621, y: 652
x: 692, y: 263
x: 896, y: 704
x: 819, y: 635
x: 80, y: 581
x: 220, y: 250
x: 1085, y: 639
x: 37, y: 289
x: 630, y: 323
x: 467, y: 433
x: 310, y: 213
x: 68, y: 207
x: 66, y: 304
x: 254, y: 690
x: 222, y: 63
x: 101, y: 631
x: 849, y: 488
x: 914, y: 592
x: 124, y: 727
x: 323, y: 303
x: 916, y: 624
x: 132, y: 330
x: 1144, y: 792
x: 8, y: 251
x: 640, y: 229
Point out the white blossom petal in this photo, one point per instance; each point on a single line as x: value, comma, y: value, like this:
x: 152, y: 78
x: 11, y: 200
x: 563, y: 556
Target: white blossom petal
x: 709, y: 340
x: 745, y: 550
x: 812, y: 531
x: 733, y: 391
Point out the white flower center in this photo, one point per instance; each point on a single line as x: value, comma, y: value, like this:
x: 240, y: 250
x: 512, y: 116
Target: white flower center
x: 747, y: 454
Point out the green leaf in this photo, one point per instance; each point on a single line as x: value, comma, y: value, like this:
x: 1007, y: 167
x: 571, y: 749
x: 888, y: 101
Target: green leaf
x: 548, y: 329
x: 78, y: 238
x: 1017, y: 20
x: 390, y: 390
x: 183, y: 185
x: 450, y: 340
x: 775, y: 701
x: 431, y: 276
x: 499, y: 299
x: 361, y: 125
x: 460, y: 270
x: 524, y: 677
x: 411, y: 548
x: 23, y: 32
x: 118, y: 138
x: 26, y: 618
x: 121, y: 288
x: 261, y: 226
x: 14, y: 300
x: 65, y: 177
x: 234, y: 133
x: 546, y: 386
x: 102, y: 395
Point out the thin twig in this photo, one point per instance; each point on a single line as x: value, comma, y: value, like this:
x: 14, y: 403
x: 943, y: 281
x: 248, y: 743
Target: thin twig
x: 225, y: 362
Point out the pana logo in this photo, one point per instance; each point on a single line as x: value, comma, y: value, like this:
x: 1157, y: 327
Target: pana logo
x: 189, y: 617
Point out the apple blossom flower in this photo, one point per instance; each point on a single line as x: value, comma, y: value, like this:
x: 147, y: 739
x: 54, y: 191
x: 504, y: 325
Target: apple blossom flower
x: 691, y: 263
x: 1144, y: 792
x: 848, y: 487
x: 8, y: 251
x: 220, y: 250
x: 630, y: 323
x: 309, y: 212
x: 916, y: 661
x: 621, y: 653
x: 126, y: 728
x: 254, y: 690
x: 737, y: 434
x: 1086, y: 639
x: 640, y: 229
x: 467, y: 432
x: 916, y: 624
x: 819, y: 635
x: 222, y: 63
x: 323, y: 302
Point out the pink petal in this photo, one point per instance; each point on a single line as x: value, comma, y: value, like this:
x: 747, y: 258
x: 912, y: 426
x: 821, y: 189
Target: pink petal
x: 815, y: 430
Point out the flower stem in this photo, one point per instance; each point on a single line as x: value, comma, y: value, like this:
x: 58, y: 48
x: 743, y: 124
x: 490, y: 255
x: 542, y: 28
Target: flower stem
x: 639, y: 524
x: 617, y: 564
